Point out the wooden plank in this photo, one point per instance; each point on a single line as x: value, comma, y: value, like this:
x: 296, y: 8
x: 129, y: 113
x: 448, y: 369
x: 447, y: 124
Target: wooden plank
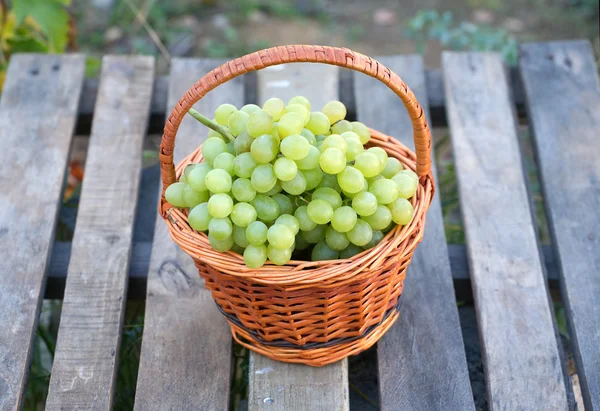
x: 85, y: 361
x: 38, y: 111
x: 273, y: 384
x: 422, y: 364
x: 563, y: 93
x: 521, y: 356
x: 186, y: 348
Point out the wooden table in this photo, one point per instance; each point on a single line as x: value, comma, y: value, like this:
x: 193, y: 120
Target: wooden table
x: 186, y: 348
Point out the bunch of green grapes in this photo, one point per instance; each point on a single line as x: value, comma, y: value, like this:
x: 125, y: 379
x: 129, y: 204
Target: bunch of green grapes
x: 283, y: 181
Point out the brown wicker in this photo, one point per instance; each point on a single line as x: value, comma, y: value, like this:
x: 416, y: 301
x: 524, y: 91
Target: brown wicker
x: 306, y: 312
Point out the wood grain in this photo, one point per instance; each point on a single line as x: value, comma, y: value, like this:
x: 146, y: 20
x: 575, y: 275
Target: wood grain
x: 422, y: 364
x: 275, y: 385
x: 38, y: 111
x: 85, y: 362
x: 521, y: 356
x: 563, y: 95
x: 186, y: 347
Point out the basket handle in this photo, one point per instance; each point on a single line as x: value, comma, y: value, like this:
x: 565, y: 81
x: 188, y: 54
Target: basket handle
x: 294, y: 54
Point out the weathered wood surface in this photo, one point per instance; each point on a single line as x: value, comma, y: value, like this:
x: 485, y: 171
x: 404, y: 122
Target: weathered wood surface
x: 85, y: 361
x: 186, y: 348
x: 275, y: 385
x: 38, y: 111
x: 520, y: 352
x: 563, y: 94
x: 422, y: 364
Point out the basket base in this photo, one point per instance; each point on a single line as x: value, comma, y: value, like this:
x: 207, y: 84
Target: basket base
x: 315, y: 357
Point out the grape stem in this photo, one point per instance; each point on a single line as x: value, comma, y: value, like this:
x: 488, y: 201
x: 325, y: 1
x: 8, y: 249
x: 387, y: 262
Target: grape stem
x: 211, y: 124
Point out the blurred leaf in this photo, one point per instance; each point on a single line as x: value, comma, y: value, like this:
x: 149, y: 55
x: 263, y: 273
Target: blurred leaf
x: 26, y: 44
x: 92, y: 66
x: 50, y: 15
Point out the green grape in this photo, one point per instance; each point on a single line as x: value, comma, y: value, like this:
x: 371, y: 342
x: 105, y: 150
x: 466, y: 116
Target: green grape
x: 296, y: 185
x: 275, y: 107
x: 211, y: 148
x: 242, y: 190
x: 332, y: 161
x: 336, y: 240
x: 264, y: 149
x: 237, y: 122
x: 322, y: 252
x: 280, y: 236
x: 174, y: 195
x: 256, y: 233
x: 263, y: 178
x: 309, y: 136
x: 290, y: 124
x: 290, y: 221
x: 321, y: 137
x: 377, y: 237
x: 243, y: 214
x: 300, y: 100
x: 392, y: 167
x: 320, y: 211
x: 275, y: 190
x: 350, y: 251
x: 236, y: 248
x: 260, y: 122
x: 285, y: 203
x: 411, y: 173
x: 301, y: 214
x: 380, y: 219
x: 335, y: 111
x: 330, y: 180
x: 328, y: 194
x: 341, y: 127
x: 255, y: 256
x: 220, y: 228
x: 279, y: 256
x: 368, y: 164
x: 300, y: 109
x: 214, y: 133
x: 197, y: 177
x: 355, y: 147
x: 365, y: 187
x: 402, y: 211
x: 182, y: 179
x: 239, y: 236
x: 295, y: 147
x: 275, y: 133
x: 301, y: 243
x: 361, y: 234
x: 315, y: 235
x: 223, y: 112
x: 351, y: 135
x: 350, y: 180
x: 318, y: 123
x: 313, y: 178
x: 218, y: 181
x: 364, y: 203
x: 407, y: 185
x: 385, y: 190
x: 371, y: 180
x: 221, y: 245
x: 344, y: 219
x: 220, y: 205
x: 231, y: 147
x: 335, y: 141
x: 199, y: 217
x: 363, y: 131
x: 285, y: 169
x: 192, y: 197
x: 224, y: 161
x: 250, y: 108
x: 311, y: 160
x: 242, y: 143
x: 243, y: 165
x: 188, y: 169
x: 381, y: 155
x: 266, y: 207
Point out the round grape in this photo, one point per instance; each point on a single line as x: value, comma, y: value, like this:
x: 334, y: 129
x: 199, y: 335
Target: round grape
x: 328, y: 194
x: 250, y: 108
x: 363, y: 131
x: 275, y: 107
x: 365, y: 187
x: 320, y: 211
x: 266, y: 207
x: 255, y: 256
x: 224, y: 161
x: 290, y: 221
x: 309, y: 136
x: 263, y: 178
x: 264, y: 148
x: 221, y: 245
x: 376, y: 239
x: 301, y: 243
x: 355, y: 147
x: 214, y: 133
x: 223, y: 112
x: 231, y: 148
x: 341, y: 127
x: 311, y: 160
x: 335, y: 111
x: 318, y: 123
x: 260, y: 122
x: 280, y: 236
x: 285, y: 203
x: 275, y: 190
x: 242, y: 190
x: 199, y: 217
x: 407, y: 185
x: 188, y: 169
x: 279, y: 256
x: 344, y: 219
x: 256, y: 233
x: 361, y: 234
x: 295, y: 147
x: 332, y: 161
x: 350, y: 251
x: 350, y: 180
x: 174, y: 195
x: 351, y: 135
x: 300, y: 109
x: 322, y: 252
x: 237, y: 122
x: 330, y: 180
x: 218, y: 181
x: 368, y: 164
x: 402, y: 211
x: 313, y: 178
x: 192, y: 197
x: 239, y: 237
x: 300, y: 100
x: 411, y: 173
x: 244, y: 164
x: 380, y: 219
x: 243, y: 214
x: 392, y: 167
x: 211, y: 148
x: 301, y: 214
x: 197, y: 176
x: 290, y: 124
x: 335, y: 141
x: 220, y: 205
x: 336, y: 240
x: 285, y: 169
x: 296, y: 185
x: 385, y: 190
x: 220, y: 228
x: 381, y: 155
x: 364, y: 203
x: 242, y: 143
x: 315, y: 235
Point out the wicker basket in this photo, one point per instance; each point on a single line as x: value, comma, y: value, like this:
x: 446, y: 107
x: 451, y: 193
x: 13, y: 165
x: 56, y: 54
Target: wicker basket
x: 306, y: 312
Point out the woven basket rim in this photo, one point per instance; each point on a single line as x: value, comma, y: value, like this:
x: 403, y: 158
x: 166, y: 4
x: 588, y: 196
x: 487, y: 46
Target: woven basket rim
x: 303, y: 273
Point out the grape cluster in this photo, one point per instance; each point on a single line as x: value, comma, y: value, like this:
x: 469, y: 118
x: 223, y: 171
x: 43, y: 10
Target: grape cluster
x: 292, y: 181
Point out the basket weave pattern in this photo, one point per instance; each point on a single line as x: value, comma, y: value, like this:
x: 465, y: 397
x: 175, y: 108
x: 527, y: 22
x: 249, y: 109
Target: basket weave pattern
x: 307, y: 312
